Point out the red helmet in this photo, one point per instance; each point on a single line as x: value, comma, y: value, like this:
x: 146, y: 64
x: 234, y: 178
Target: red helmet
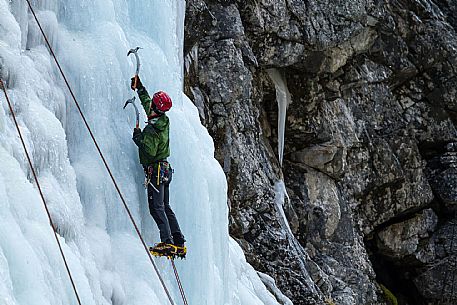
x: 161, y: 102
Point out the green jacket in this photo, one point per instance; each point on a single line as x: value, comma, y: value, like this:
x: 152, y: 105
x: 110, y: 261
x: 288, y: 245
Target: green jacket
x: 153, y: 142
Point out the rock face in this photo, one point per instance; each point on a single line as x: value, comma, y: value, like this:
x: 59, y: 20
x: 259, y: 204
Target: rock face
x: 370, y: 158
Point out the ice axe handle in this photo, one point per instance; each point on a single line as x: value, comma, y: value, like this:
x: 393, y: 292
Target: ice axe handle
x: 138, y: 64
x: 135, y: 81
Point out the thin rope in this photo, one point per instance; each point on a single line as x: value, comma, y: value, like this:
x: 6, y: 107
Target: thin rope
x: 2, y: 85
x: 101, y: 155
x: 181, y: 289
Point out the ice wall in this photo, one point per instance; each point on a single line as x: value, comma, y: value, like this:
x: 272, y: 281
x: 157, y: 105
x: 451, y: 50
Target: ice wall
x: 91, y: 39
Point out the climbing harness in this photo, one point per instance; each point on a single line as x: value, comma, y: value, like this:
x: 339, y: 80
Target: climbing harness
x: 147, y: 181
x: 149, y: 171
x: 2, y: 86
x: 104, y: 162
x: 164, y: 172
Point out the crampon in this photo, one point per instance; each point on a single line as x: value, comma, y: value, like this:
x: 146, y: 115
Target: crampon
x: 169, y: 251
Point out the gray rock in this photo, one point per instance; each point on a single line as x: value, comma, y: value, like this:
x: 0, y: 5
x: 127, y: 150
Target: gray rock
x: 402, y: 239
x: 324, y: 201
x: 436, y: 281
x: 443, y: 176
x: 329, y: 159
x: 370, y: 149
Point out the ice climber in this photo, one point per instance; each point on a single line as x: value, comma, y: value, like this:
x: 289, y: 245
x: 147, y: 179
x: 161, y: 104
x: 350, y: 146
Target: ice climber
x: 153, y: 145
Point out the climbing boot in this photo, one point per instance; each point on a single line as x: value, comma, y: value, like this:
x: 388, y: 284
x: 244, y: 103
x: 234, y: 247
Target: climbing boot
x: 164, y: 249
x: 179, y: 241
x: 181, y: 251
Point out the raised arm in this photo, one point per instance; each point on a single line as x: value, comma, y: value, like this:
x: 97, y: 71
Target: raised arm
x: 142, y: 93
x: 145, y: 100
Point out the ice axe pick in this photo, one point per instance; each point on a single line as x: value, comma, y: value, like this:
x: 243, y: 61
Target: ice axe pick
x: 138, y: 64
x: 132, y: 101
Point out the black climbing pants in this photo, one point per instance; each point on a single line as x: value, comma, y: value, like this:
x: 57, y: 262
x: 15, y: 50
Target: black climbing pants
x: 159, y: 207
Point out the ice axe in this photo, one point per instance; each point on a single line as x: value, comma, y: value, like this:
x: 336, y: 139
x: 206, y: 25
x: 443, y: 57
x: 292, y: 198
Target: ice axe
x: 135, y: 51
x: 132, y: 101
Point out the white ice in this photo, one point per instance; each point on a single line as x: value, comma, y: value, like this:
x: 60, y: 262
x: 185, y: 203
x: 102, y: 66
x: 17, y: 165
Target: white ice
x: 91, y: 39
x: 283, y: 99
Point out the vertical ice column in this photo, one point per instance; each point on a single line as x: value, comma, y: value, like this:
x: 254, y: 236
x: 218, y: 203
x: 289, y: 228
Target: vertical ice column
x: 283, y: 99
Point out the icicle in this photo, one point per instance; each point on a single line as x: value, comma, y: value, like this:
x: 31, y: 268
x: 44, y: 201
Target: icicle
x: 280, y: 198
x: 283, y: 99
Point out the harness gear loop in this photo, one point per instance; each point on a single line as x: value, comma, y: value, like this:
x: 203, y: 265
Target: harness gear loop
x: 148, y: 173
x: 147, y: 181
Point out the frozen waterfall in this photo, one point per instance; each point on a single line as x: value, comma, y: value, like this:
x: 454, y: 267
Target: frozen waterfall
x: 91, y: 39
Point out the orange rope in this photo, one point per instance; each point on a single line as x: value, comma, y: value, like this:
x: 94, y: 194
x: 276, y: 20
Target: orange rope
x: 181, y: 289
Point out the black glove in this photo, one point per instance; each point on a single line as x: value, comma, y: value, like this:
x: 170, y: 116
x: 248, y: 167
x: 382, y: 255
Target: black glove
x: 136, y: 132
x: 136, y: 85
x: 137, y: 137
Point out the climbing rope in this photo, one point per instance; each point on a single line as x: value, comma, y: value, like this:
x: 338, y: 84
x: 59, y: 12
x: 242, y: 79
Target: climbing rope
x: 2, y: 86
x: 178, y: 280
x: 101, y: 155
